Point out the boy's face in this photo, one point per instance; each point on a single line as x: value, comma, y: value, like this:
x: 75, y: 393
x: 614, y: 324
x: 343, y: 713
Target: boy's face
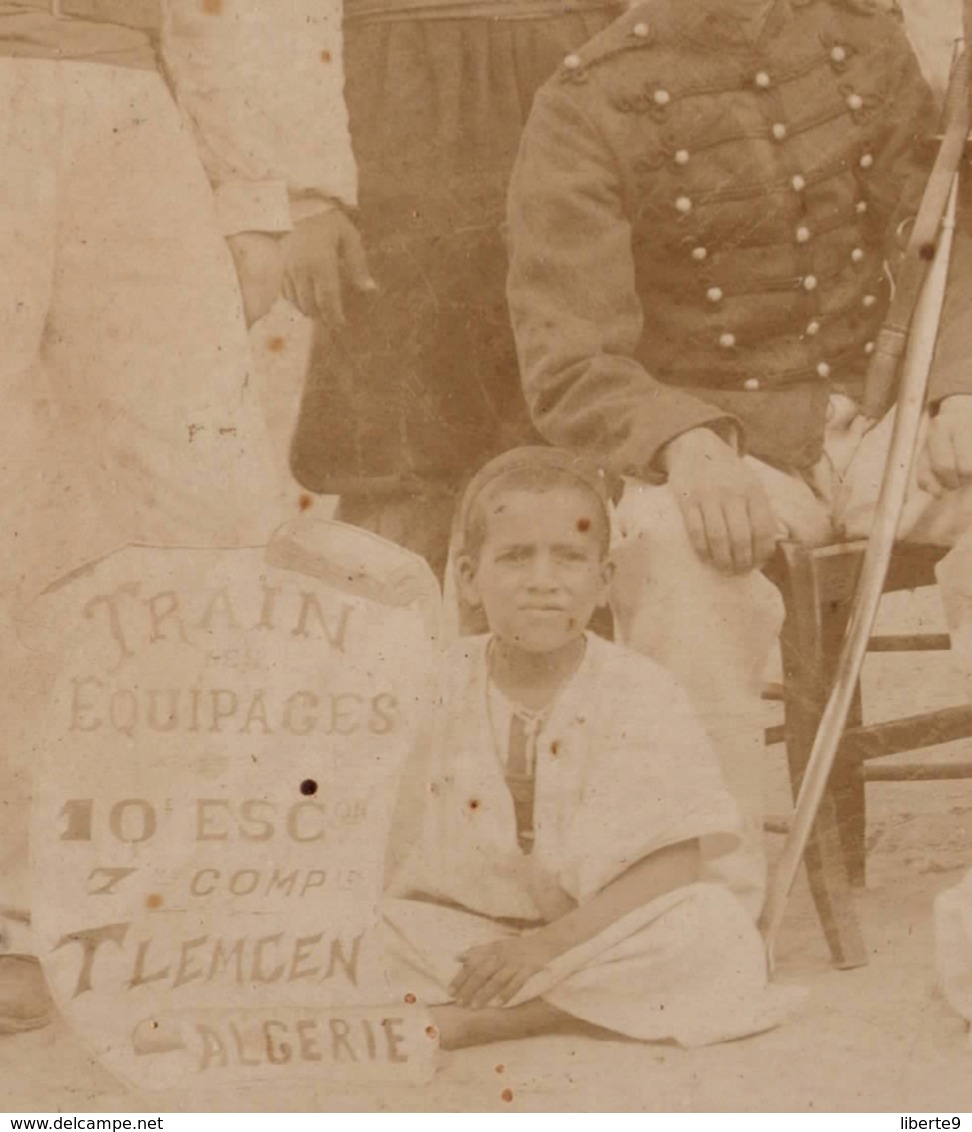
x: 541, y: 572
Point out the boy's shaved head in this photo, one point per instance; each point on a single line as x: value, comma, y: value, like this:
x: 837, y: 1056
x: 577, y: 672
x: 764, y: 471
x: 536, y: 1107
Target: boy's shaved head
x: 532, y: 470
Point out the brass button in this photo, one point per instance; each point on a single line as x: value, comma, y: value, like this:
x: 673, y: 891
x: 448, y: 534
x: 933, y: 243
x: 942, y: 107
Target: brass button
x: 857, y: 255
x: 802, y: 234
x: 861, y: 207
x: 640, y: 30
x: 684, y: 204
x: 799, y: 183
x: 572, y: 62
x: 662, y: 98
x: 855, y: 102
x: 762, y: 80
x: 727, y: 341
x: 869, y: 300
x: 699, y: 254
x: 779, y: 131
x: 813, y: 328
x: 682, y: 157
x: 714, y: 294
x: 810, y: 283
x: 868, y: 347
x: 867, y: 161
x: 751, y: 384
x: 838, y: 54
x: 823, y: 369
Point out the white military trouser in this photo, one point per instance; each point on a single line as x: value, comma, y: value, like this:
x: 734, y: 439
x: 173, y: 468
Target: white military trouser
x: 933, y: 26
x: 130, y: 408
x: 715, y: 632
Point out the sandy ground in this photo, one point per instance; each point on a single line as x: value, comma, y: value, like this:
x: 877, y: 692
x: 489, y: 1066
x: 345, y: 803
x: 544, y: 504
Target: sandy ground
x: 878, y: 1038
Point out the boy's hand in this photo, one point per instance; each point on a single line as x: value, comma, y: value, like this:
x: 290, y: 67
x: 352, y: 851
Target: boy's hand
x: 945, y: 461
x: 493, y: 973
x: 725, y: 507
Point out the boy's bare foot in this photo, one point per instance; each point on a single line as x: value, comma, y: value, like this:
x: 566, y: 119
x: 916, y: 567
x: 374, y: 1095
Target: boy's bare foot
x: 459, y: 1027
x: 25, y: 1001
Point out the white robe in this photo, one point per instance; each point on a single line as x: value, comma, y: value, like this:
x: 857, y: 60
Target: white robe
x: 623, y: 770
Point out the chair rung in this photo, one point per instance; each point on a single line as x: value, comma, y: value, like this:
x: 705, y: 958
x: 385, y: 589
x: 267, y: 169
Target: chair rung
x: 909, y: 734
x: 917, y: 642
x: 775, y: 734
x: 916, y: 772
x: 774, y: 692
x: 776, y: 823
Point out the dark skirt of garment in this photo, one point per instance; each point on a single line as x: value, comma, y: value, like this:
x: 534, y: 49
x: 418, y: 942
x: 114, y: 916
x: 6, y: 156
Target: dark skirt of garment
x: 421, y: 384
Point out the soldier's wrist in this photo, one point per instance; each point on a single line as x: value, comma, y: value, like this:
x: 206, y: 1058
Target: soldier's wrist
x: 696, y: 442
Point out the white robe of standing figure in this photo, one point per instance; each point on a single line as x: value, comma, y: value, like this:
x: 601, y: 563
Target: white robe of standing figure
x: 137, y: 139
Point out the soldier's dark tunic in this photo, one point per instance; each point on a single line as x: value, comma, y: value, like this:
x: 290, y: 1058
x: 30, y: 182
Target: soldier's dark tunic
x: 702, y: 226
x: 421, y: 386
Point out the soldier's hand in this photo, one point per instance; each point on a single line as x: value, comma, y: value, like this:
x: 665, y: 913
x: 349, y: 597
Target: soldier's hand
x: 945, y: 461
x: 258, y: 257
x: 324, y: 255
x: 725, y: 507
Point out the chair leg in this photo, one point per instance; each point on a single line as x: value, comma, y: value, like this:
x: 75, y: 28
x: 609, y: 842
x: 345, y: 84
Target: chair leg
x: 805, y: 638
x: 847, y: 785
x: 847, y: 777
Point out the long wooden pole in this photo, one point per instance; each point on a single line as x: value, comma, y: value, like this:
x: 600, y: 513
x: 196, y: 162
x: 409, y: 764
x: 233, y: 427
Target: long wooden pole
x: 967, y: 30
x: 911, y: 399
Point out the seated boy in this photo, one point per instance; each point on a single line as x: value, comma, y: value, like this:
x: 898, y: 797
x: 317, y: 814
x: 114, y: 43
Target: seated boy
x: 702, y: 217
x: 548, y: 846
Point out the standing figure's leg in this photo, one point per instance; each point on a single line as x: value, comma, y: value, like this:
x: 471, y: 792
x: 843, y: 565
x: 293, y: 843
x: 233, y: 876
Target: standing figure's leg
x: 420, y: 386
x: 29, y: 152
x: 29, y: 189
x: 146, y: 332
x: 946, y: 521
x: 419, y: 520
x: 142, y: 422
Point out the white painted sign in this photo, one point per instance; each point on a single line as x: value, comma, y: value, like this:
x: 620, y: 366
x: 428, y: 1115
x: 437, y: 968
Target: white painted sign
x: 220, y: 762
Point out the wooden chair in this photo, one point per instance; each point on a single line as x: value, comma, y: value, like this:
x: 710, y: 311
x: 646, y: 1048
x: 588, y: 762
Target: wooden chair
x: 818, y: 587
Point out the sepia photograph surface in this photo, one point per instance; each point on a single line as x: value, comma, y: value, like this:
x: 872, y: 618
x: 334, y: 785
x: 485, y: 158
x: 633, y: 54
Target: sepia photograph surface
x: 486, y: 574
